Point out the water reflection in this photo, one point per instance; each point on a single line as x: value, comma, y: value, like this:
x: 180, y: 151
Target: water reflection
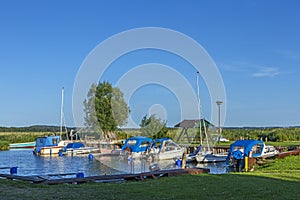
x: 132, y: 166
x: 29, y: 164
x: 215, y: 168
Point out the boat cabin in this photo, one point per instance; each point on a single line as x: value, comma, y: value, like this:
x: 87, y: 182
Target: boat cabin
x: 47, y: 141
x: 250, y: 148
x: 165, y: 145
x: 137, y: 144
x: 48, y: 145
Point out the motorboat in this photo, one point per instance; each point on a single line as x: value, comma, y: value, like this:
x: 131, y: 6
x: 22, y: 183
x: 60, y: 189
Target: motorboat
x: 48, y: 145
x: 136, y: 147
x: 252, y: 149
x: 242, y: 149
x: 165, y: 148
x: 78, y: 148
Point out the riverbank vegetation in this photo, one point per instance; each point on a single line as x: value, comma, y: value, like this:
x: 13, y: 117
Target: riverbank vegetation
x: 7, y: 138
x: 279, y: 136
x: 279, y: 179
x: 274, y: 134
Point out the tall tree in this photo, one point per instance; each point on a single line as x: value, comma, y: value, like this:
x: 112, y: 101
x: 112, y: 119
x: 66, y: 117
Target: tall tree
x: 153, y: 127
x: 105, y: 109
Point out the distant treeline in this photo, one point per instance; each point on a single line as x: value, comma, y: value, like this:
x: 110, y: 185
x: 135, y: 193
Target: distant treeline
x: 37, y: 128
x: 275, y: 134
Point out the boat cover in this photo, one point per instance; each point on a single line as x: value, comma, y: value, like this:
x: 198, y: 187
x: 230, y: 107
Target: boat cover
x: 75, y: 145
x: 247, y: 146
x: 137, y: 144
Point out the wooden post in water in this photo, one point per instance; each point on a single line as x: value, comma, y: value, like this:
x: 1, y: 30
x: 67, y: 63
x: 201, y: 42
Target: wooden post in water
x: 183, y: 160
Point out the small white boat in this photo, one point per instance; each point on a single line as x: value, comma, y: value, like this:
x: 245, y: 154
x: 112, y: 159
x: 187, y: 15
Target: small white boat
x: 204, y: 153
x: 209, y: 157
x: 24, y: 145
x: 269, y: 151
x: 165, y: 148
x: 78, y: 148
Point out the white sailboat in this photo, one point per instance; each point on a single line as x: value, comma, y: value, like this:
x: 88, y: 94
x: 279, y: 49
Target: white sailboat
x: 62, y: 116
x: 51, y: 145
x: 204, y: 153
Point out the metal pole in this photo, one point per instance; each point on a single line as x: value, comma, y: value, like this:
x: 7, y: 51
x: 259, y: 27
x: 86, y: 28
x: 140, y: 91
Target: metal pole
x: 219, y: 121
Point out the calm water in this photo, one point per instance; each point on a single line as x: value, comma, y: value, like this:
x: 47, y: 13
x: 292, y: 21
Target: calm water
x: 29, y: 164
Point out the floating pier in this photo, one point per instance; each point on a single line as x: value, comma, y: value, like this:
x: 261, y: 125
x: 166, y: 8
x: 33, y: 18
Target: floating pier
x: 107, y: 178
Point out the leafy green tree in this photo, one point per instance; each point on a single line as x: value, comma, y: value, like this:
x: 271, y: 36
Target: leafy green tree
x: 105, y: 109
x: 153, y: 127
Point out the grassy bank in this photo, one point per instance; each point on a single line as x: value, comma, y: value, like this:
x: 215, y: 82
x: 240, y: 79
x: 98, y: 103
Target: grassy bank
x: 7, y: 138
x: 279, y: 179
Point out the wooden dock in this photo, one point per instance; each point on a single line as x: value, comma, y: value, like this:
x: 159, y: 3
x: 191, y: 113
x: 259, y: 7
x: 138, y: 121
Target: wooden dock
x: 108, y: 178
x: 288, y: 153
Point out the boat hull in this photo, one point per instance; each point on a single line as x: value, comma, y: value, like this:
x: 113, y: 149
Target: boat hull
x: 176, y: 154
x: 48, y: 151
x: 25, y: 145
x: 81, y: 151
x: 211, y: 158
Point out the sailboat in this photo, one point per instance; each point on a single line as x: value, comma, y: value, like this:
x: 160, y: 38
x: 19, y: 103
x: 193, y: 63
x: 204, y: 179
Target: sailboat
x: 204, y: 153
x: 51, y: 145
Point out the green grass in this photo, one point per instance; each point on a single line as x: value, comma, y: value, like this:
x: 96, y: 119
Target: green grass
x: 284, y: 144
x: 279, y: 179
x: 283, y: 169
x: 226, y: 186
x: 17, y: 137
x: 7, y: 138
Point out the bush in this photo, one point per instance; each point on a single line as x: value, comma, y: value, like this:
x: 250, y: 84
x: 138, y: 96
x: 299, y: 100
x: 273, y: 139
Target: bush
x: 4, y: 145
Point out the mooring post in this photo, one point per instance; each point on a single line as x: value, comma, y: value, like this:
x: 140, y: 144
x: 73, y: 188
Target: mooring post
x: 246, y: 163
x: 183, y: 160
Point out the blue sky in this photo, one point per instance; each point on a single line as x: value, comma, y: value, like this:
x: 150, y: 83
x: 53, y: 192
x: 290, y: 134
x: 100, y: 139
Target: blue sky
x: 255, y: 45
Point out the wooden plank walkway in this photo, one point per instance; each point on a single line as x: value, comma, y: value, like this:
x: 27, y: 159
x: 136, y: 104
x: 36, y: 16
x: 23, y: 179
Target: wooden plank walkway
x: 108, y: 178
x: 33, y: 179
x: 288, y: 153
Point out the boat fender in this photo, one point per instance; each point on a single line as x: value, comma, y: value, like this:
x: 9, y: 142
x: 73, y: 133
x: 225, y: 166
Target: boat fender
x: 237, y: 154
x: 91, y: 156
x: 80, y: 175
x: 13, y: 170
x: 178, y: 162
x: 60, y: 153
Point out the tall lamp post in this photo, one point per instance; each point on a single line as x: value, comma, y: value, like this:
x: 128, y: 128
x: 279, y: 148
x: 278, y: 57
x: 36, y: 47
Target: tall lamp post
x: 219, y: 121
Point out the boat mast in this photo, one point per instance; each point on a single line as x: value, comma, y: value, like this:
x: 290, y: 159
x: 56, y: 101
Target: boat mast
x: 61, y: 110
x: 62, y: 116
x: 199, y: 107
x: 201, y: 119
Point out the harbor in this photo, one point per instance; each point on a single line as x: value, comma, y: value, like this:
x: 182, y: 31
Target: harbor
x: 51, y: 169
